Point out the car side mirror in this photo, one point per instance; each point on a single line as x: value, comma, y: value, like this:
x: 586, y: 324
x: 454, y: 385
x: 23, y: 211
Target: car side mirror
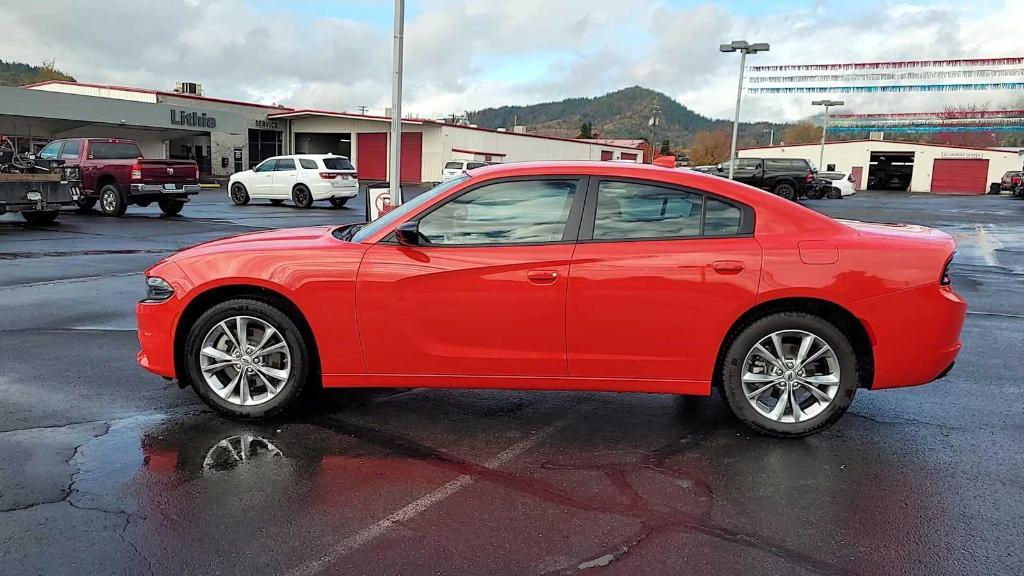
x: 408, y: 233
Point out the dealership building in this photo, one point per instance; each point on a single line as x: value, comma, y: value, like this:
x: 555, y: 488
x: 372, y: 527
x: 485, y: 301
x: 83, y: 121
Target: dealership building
x: 889, y: 164
x: 227, y: 136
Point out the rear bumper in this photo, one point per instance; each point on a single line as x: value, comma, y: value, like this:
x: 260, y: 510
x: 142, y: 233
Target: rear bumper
x: 325, y: 190
x: 915, y: 334
x: 161, y: 190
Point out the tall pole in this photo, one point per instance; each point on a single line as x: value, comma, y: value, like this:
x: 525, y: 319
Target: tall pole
x: 824, y: 131
x: 771, y: 137
x: 736, y: 120
x: 395, y: 170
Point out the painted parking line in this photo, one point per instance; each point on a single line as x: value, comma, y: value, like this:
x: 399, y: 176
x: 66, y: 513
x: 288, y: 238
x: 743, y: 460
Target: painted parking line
x: 424, y: 503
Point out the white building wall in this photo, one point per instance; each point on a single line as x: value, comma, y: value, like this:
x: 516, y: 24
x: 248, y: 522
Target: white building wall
x: 99, y: 92
x: 847, y: 155
x: 523, y: 148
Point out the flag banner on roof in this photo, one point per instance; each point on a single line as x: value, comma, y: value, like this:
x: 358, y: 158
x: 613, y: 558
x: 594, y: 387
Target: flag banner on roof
x: 892, y: 88
x: 942, y: 114
x: 898, y: 64
x: 928, y: 129
x: 937, y: 123
x: 891, y: 76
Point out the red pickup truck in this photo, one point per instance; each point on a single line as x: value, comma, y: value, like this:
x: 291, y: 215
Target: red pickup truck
x: 115, y: 174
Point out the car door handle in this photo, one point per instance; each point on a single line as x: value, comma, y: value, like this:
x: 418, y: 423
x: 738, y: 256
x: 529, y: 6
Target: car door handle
x: 727, y: 266
x: 542, y: 277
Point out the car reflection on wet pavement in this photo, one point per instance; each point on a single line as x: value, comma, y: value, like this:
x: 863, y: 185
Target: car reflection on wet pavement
x: 107, y: 470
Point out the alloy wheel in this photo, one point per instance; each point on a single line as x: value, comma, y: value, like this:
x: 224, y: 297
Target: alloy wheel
x: 245, y: 360
x: 790, y: 376
x: 109, y: 201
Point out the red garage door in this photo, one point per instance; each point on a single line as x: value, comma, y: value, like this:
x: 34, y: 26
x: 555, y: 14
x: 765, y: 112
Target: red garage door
x: 412, y: 156
x: 607, y: 155
x: 960, y: 176
x: 372, y: 156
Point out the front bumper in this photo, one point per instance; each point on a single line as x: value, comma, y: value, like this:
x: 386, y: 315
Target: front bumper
x: 915, y: 333
x: 161, y: 189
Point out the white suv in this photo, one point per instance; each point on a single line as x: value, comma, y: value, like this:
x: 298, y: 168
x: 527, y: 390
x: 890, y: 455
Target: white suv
x: 456, y: 168
x: 302, y: 178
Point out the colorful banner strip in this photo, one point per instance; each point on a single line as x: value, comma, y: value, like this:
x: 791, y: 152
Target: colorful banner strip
x: 899, y: 64
x: 947, y: 123
x: 881, y: 89
x: 946, y: 75
x: 958, y: 113
x: 930, y: 129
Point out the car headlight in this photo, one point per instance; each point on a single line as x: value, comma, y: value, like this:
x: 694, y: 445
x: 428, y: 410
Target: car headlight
x: 158, y: 289
x: 34, y: 196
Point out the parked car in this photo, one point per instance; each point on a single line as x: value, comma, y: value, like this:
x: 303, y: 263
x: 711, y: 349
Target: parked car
x: 38, y: 195
x: 831, y: 185
x: 302, y: 178
x: 565, y: 276
x: 1010, y: 180
x: 786, y: 177
x: 115, y: 174
x: 881, y: 179
x: 456, y: 168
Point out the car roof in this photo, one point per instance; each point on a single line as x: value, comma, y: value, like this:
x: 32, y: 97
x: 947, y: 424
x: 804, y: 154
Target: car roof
x: 311, y: 156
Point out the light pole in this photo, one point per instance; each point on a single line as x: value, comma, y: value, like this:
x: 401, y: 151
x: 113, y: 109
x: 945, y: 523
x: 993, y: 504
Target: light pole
x: 396, y: 106
x: 771, y: 137
x: 744, y: 48
x: 824, y: 130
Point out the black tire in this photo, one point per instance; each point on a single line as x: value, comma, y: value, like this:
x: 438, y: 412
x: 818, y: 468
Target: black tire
x: 85, y: 204
x: 814, y: 194
x: 834, y: 194
x: 112, y: 201
x: 277, y: 202
x: 143, y: 203
x: 338, y: 202
x: 40, y: 217
x: 290, y: 392
x: 732, y: 369
x: 785, y: 190
x: 302, y: 197
x: 238, y: 194
x: 171, y: 206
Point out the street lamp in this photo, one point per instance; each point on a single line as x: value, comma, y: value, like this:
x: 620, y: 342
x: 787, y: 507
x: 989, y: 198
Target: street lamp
x: 744, y: 48
x: 396, y: 105
x: 771, y: 137
x: 824, y: 130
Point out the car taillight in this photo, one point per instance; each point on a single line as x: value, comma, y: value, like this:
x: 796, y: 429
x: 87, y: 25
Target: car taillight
x: 136, y: 172
x: 850, y: 179
x: 810, y: 177
x: 329, y: 175
x: 945, y: 280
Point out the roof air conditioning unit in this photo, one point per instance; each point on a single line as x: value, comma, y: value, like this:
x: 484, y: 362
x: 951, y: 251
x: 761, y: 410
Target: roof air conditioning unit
x: 876, y: 135
x: 188, y: 88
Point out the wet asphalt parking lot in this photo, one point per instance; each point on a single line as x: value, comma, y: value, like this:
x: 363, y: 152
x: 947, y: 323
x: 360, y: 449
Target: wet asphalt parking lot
x: 106, y: 469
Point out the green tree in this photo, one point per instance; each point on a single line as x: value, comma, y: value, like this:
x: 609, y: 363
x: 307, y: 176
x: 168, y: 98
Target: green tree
x: 666, y: 149
x: 586, y: 130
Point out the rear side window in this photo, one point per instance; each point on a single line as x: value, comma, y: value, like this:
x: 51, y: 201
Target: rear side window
x: 721, y: 218
x: 71, y: 149
x: 473, y: 165
x: 114, y: 150
x: 627, y: 210
x: 453, y: 166
x: 307, y: 164
x: 338, y: 163
x: 285, y: 165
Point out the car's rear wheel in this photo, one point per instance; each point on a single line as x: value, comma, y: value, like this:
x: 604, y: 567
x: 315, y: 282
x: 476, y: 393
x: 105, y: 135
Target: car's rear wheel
x: 239, y: 195
x: 247, y: 359
x: 112, y: 201
x: 789, y: 374
x: 171, y: 206
x: 815, y: 193
x: 302, y: 197
x: 85, y: 204
x: 787, y: 191
x: 834, y: 194
x: 40, y: 217
x: 338, y: 202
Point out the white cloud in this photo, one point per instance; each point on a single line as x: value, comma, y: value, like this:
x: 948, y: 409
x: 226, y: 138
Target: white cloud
x: 455, y: 47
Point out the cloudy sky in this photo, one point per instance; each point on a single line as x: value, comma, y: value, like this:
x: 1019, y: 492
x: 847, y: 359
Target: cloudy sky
x: 470, y: 54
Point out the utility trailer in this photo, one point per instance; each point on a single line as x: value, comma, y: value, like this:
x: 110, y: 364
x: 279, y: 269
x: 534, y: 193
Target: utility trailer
x: 39, y: 196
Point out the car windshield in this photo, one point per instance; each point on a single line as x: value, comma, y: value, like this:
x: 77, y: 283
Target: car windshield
x: 398, y: 213
x: 337, y: 163
x: 832, y: 175
x: 453, y: 166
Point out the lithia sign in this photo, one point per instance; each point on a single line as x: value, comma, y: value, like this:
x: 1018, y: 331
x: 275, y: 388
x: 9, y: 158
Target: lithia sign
x: 182, y: 118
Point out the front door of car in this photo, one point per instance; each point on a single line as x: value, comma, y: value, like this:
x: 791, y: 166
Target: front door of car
x: 658, y: 277
x: 262, y: 182
x: 483, y: 293
x: 285, y: 177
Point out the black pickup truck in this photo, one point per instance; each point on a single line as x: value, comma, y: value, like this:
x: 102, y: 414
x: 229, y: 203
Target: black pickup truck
x: 786, y: 177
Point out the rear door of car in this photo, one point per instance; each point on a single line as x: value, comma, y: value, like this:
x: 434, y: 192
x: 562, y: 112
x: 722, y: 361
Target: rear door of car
x: 659, y: 275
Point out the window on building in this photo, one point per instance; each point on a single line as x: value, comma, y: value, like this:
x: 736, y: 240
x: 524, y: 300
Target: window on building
x: 520, y: 212
x: 263, y: 144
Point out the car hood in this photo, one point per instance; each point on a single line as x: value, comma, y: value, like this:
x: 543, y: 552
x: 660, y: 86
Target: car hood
x: 908, y: 232
x: 284, y: 239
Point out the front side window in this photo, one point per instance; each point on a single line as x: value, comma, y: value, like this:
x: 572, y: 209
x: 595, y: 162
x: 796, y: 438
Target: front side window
x: 71, y: 149
x: 51, y: 151
x: 627, y: 210
x: 517, y: 212
x: 285, y: 165
x: 267, y: 165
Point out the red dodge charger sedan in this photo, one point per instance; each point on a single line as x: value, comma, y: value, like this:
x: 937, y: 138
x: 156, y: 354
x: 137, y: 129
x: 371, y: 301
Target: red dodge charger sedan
x: 565, y: 276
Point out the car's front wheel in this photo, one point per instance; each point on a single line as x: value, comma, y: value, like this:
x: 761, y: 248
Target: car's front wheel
x: 789, y: 374
x: 247, y: 359
x: 85, y: 204
x: 40, y: 217
x: 239, y: 195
